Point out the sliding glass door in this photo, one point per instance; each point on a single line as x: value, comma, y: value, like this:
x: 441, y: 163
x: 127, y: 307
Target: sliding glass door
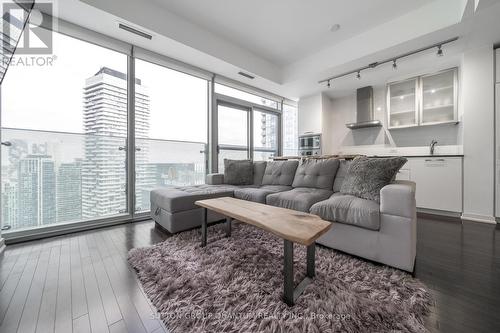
x: 246, y: 131
x: 233, y: 140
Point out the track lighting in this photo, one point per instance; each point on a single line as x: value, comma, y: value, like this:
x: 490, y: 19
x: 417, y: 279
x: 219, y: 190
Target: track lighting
x: 393, y: 60
x: 440, y: 51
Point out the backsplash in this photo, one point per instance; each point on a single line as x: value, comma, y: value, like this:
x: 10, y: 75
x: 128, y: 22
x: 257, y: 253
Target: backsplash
x: 380, y: 140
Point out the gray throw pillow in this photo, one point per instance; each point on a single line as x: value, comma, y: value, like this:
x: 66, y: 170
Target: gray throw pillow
x: 366, y: 176
x: 238, y: 172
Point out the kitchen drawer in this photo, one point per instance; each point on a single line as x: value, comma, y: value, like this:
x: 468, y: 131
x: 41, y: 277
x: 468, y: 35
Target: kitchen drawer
x: 439, y: 183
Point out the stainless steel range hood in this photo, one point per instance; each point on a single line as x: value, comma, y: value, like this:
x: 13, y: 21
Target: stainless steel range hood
x: 364, y: 110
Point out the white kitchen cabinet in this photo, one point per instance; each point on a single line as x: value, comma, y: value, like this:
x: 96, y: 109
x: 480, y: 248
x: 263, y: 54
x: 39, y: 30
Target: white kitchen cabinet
x: 425, y: 100
x: 402, y: 103
x: 438, y: 98
x: 438, y: 181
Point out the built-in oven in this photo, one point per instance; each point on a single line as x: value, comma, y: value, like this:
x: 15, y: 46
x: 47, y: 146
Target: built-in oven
x: 310, y: 144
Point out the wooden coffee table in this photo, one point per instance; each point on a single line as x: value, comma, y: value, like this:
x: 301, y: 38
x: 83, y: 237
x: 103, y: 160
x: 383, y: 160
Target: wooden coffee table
x: 290, y: 225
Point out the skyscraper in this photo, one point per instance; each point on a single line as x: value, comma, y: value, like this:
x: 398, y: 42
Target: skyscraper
x: 37, y: 193
x: 69, y: 191
x: 105, y: 128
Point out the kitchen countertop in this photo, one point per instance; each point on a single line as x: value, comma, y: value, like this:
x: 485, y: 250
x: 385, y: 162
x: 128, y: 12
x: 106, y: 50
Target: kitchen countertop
x: 410, y: 156
x: 277, y: 158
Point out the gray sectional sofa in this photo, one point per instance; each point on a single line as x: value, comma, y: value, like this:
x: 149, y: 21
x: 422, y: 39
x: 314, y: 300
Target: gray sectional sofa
x: 384, y: 232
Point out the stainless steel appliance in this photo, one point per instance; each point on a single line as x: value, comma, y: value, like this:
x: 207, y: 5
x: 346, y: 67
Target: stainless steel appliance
x: 310, y: 144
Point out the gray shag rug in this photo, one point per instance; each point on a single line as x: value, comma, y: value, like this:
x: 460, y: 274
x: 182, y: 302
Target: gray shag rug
x: 235, y: 285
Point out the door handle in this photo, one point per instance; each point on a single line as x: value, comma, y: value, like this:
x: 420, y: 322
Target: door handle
x: 137, y: 149
x: 7, y: 143
x: 122, y: 148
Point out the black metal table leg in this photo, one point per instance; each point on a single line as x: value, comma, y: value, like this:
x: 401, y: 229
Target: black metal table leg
x: 228, y: 227
x: 290, y: 294
x: 311, y: 254
x: 288, y: 273
x: 204, y: 228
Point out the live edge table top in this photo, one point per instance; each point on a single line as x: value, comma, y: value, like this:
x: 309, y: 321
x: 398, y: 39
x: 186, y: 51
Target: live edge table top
x: 295, y: 226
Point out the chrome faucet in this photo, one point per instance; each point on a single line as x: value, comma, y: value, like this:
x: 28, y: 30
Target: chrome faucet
x: 431, y: 146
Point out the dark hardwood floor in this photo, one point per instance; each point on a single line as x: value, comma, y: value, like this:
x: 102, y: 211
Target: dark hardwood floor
x: 82, y: 283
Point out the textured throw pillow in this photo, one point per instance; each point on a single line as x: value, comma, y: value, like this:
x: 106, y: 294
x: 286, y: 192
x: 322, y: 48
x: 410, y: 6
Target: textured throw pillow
x: 238, y: 172
x: 366, y: 176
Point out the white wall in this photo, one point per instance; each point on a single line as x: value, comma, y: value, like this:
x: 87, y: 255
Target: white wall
x: 310, y: 114
x: 479, y: 119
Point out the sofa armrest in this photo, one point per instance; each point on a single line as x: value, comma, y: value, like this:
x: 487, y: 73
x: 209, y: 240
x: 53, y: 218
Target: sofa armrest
x: 214, y: 179
x: 398, y: 198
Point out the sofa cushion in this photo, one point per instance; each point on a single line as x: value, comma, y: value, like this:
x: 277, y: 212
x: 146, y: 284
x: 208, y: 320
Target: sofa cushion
x: 316, y: 173
x: 176, y: 199
x: 259, y: 167
x: 300, y: 198
x: 238, y: 172
x: 280, y: 173
x: 366, y: 176
x: 259, y: 194
x: 341, y: 173
x: 349, y: 209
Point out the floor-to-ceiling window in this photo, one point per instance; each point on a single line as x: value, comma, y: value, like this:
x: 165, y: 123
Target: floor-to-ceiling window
x: 170, y: 129
x: 64, y: 125
x: 71, y: 126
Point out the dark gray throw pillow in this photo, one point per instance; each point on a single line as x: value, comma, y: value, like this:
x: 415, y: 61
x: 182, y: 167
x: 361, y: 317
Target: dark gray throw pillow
x: 366, y: 176
x: 238, y: 172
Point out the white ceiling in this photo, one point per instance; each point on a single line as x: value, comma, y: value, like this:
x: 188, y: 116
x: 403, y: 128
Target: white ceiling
x: 287, y: 44
x: 284, y: 31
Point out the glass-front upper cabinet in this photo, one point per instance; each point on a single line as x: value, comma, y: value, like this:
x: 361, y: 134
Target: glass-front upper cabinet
x: 402, y: 103
x: 425, y: 100
x: 439, y: 98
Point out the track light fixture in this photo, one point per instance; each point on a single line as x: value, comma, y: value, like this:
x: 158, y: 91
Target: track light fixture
x: 439, y: 51
x: 392, y: 60
x: 328, y: 84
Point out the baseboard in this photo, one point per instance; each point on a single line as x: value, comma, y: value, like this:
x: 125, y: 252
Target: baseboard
x: 2, y: 245
x: 435, y: 212
x: 479, y: 218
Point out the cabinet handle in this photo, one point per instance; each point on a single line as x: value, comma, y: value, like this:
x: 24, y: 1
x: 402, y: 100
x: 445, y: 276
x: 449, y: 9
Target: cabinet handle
x: 437, y: 160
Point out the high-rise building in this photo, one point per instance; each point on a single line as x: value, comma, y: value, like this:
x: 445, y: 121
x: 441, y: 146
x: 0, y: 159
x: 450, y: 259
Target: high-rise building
x: 105, y: 128
x: 37, y: 192
x: 9, y: 204
x: 69, y: 191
